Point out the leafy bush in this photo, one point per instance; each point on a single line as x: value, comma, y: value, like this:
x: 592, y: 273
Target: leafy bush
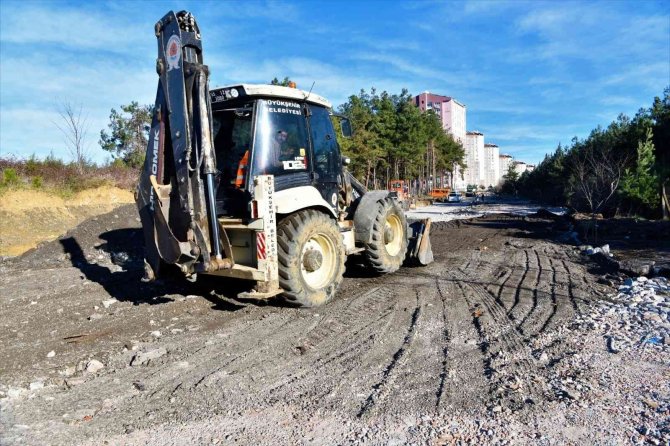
x: 10, y: 177
x: 62, y: 178
x: 32, y: 165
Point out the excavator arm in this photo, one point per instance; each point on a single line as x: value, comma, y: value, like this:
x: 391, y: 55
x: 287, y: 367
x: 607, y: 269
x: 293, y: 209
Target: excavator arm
x: 176, y: 192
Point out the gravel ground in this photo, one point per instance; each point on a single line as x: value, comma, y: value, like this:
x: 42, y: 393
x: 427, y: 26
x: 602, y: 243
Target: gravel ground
x: 507, y: 338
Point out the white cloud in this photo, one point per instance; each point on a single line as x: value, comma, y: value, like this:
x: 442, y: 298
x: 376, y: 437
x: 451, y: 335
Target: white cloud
x: 651, y: 74
x: 403, y: 65
x: 31, y: 24
x: 620, y: 101
x: 593, y: 33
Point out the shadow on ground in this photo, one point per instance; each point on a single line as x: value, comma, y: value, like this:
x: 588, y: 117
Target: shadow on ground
x: 124, y: 247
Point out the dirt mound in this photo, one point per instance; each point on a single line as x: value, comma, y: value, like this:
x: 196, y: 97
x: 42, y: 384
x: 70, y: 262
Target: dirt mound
x: 28, y: 217
x: 117, y: 234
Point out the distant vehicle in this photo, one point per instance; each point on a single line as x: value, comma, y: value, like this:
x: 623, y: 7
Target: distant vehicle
x: 398, y: 188
x: 454, y: 197
x: 469, y: 194
x: 439, y: 193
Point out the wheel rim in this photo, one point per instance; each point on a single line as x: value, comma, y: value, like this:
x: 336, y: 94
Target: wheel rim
x: 393, y: 234
x: 321, y: 276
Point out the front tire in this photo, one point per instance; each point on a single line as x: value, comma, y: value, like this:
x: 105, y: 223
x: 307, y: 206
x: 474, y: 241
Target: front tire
x: 386, y: 252
x: 311, y: 258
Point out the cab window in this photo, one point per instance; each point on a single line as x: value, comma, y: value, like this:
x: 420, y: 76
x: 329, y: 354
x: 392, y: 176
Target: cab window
x: 326, y: 154
x: 281, y: 138
x: 232, y: 140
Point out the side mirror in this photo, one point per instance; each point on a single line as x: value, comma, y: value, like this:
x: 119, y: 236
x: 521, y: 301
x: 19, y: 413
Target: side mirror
x: 346, y: 127
x: 346, y: 160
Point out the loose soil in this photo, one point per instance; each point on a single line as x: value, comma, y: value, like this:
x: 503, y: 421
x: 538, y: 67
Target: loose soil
x: 29, y: 217
x: 479, y: 347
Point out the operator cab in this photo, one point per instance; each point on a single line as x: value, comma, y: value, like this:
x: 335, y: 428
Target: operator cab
x: 272, y: 130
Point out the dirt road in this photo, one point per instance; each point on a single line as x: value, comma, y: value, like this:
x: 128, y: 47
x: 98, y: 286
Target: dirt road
x: 485, y: 345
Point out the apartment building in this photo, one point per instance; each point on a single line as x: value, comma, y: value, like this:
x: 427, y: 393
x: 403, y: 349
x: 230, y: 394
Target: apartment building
x: 491, y: 165
x: 504, y: 161
x: 451, y: 112
x: 474, y: 158
x: 520, y: 167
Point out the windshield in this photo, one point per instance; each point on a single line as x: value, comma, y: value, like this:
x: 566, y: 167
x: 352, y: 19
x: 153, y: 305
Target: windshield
x: 281, y: 138
x: 232, y: 140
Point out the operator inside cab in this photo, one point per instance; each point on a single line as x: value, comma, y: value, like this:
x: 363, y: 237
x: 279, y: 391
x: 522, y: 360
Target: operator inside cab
x: 282, y: 140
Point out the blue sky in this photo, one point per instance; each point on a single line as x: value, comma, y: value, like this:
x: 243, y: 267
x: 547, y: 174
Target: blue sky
x: 530, y: 73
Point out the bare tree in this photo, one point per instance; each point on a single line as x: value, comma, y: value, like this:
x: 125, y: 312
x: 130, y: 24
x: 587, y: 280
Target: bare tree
x: 74, y: 128
x: 598, y: 173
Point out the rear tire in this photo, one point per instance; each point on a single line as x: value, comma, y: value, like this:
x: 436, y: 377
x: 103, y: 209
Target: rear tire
x: 386, y: 252
x: 311, y: 258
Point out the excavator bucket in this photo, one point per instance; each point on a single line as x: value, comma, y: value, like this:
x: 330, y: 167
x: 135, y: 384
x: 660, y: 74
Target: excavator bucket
x: 419, y: 250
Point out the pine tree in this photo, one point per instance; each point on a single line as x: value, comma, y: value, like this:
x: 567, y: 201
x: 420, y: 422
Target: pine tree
x: 640, y: 184
x: 129, y: 133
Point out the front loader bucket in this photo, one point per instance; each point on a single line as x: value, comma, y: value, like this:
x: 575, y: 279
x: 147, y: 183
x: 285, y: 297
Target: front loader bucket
x: 419, y: 250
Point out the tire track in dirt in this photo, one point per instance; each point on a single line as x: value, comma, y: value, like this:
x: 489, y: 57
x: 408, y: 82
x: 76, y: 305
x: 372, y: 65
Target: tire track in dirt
x: 545, y: 294
x: 412, y: 389
x: 334, y: 346
x: 356, y: 308
x: 475, y: 314
x: 534, y: 292
x: 526, y: 293
x: 504, y: 341
x: 502, y: 275
x: 498, y: 335
x: 445, y: 347
x: 245, y: 366
x: 506, y: 293
x: 554, y: 299
x: 334, y: 336
x: 381, y: 388
x: 571, y: 289
x: 517, y: 288
x: 465, y: 350
x: 264, y: 372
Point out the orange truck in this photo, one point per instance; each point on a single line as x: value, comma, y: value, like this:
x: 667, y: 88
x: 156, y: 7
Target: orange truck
x: 440, y: 193
x: 398, y: 186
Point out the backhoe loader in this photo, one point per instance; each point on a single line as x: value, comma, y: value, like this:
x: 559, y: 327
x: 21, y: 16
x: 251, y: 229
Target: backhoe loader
x: 248, y: 182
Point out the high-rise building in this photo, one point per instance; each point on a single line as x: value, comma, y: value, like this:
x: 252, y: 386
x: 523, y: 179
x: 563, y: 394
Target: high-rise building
x: 474, y: 158
x: 451, y: 112
x: 491, y: 165
x: 520, y: 167
x: 505, y: 161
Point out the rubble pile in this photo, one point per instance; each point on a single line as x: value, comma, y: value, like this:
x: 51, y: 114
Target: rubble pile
x: 638, y: 314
